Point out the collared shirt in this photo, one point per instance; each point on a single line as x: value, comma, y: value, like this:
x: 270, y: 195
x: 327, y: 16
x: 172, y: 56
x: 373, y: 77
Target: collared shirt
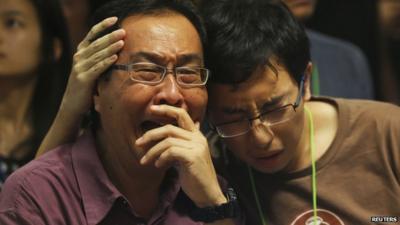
x: 69, y: 185
x: 8, y: 166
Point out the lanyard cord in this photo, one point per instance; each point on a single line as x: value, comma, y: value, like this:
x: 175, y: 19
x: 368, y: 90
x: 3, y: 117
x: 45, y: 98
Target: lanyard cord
x: 315, y: 80
x: 313, y: 159
x: 313, y: 175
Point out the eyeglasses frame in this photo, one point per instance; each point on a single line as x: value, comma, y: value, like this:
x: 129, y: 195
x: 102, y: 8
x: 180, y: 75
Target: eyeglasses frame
x: 294, y: 105
x: 127, y: 68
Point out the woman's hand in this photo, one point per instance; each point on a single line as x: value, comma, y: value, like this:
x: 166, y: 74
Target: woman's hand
x: 93, y: 57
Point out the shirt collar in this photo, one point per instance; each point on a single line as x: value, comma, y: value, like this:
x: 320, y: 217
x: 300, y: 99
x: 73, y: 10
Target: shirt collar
x: 97, y: 191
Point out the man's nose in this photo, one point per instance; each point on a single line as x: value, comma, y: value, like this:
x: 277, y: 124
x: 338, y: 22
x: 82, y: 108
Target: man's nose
x: 261, y: 133
x: 169, y: 93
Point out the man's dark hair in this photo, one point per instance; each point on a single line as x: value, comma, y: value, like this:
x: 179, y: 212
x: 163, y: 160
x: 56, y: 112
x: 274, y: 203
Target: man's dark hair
x: 125, y: 8
x: 244, y: 35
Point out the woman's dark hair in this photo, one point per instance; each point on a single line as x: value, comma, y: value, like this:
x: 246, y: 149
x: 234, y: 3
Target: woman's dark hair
x: 244, y: 35
x: 53, y: 70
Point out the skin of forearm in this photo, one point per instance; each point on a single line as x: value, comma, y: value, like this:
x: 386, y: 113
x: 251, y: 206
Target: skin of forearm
x: 64, y: 129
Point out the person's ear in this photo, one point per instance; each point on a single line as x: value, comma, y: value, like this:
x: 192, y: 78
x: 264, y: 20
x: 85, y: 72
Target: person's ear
x: 96, y: 97
x: 96, y: 102
x: 307, y: 82
x: 57, y: 48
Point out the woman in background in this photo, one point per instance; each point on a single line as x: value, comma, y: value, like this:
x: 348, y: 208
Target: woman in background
x: 35, y: 60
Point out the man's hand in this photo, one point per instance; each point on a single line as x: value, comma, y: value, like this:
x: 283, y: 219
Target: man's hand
x: 185, y: 147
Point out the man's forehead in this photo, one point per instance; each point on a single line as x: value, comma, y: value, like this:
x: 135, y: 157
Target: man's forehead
x: 161, y: 37
x: 154, y: 56
x: 267, y: 78
x: 271, y: 75
x: 263, y: 88
x: 243, y: 94
x: 150, y: 20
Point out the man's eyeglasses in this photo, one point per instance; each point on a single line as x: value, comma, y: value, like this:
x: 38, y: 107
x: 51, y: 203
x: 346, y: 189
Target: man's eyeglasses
x: 152, y: 74
x: 270, y: 117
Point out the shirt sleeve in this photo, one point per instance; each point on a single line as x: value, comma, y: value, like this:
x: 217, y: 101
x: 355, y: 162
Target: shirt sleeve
x: 15, y: 217
x: 393, y: 138
x: 18, y: 205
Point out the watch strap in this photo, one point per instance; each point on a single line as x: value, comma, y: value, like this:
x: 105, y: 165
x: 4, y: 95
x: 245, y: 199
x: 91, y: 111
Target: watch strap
x: 230, y: 209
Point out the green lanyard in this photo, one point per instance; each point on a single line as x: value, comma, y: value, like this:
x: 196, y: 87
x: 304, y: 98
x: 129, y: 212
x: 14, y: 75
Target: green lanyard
x: 315, y: 89
x: 313, y: 175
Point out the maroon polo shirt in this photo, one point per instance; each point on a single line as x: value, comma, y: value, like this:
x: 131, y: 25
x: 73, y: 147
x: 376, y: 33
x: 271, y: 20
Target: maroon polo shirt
x: 69, y: 185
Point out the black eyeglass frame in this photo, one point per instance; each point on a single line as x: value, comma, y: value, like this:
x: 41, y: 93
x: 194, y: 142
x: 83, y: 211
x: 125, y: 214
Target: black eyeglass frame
x: 249, y: 120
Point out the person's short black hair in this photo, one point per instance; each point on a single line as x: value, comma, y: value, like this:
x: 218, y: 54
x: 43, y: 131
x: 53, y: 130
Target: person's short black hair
x: 244, y: 35
x: 125, y: 8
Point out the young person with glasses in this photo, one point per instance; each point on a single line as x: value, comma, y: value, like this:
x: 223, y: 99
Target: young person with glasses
x: 317, y: 160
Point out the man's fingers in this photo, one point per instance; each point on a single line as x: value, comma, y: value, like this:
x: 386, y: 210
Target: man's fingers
x: 170, y: 157
x: 96, y: 29
x: 182, y: 117
x: 154, y: 153
x: 160, y: 133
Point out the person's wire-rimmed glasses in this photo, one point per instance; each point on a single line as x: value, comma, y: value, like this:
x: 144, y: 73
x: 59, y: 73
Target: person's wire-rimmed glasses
x: 269, y: 117
x: 152, y: 74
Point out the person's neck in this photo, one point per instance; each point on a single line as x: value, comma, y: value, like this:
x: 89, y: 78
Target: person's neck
x: 15, y: 116
x: 15, y: 98
x: 139, y: 184
x: 301, y: 158
x: 325, y: 122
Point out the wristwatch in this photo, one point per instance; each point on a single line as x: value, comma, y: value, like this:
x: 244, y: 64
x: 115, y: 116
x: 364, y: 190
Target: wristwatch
x: 229, y: 209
